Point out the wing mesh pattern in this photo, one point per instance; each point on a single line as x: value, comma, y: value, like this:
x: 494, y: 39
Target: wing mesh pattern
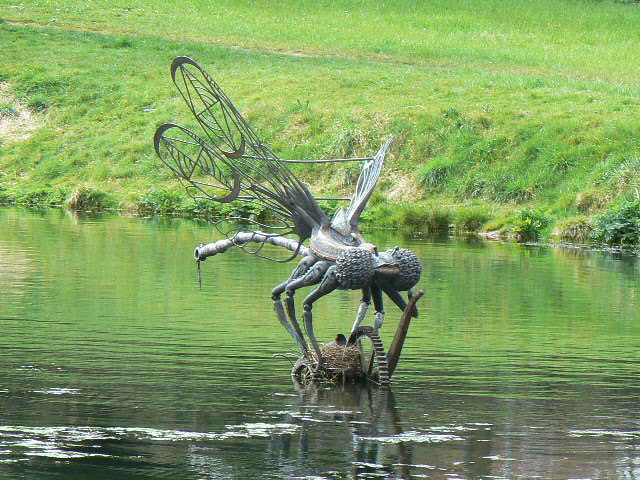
x: 367, y: 182
x: 231, y: 162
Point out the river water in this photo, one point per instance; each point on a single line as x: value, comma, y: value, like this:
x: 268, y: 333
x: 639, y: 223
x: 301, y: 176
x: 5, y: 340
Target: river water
x: 114, y: 364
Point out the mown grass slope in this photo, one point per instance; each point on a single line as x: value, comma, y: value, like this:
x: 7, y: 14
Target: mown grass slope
x: 514, y: 115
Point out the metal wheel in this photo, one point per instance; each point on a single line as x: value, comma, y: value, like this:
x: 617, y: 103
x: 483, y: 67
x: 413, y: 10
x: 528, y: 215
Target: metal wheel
x: 377, y: 365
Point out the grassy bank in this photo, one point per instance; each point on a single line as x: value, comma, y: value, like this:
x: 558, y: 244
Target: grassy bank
x: 516, y: 117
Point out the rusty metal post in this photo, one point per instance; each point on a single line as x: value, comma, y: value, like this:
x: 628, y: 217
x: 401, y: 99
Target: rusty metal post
x: 401, y: 332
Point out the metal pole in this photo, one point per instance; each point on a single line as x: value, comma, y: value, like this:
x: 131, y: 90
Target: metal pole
x: 401, y: 332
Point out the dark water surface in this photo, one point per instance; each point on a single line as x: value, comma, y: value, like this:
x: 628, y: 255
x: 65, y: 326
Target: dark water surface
x: 524, y: 363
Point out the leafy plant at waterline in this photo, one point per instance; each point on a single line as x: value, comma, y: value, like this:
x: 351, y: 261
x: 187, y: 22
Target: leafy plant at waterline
x: 528, y: 224
x: 244, y: 211
x: 199, y: 207
x: 620, y: 225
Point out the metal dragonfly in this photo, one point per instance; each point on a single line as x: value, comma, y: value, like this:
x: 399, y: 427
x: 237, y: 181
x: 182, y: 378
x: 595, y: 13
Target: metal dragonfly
x: 231, y: 163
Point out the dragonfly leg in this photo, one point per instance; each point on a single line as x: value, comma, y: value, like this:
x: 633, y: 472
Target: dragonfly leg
x: 395, y: 296
x: 312, y: 276
x: 295, y: 331
x: 292, y: 327
x: 364, y: 306
x: 378, y: 303
x: 328, y: 284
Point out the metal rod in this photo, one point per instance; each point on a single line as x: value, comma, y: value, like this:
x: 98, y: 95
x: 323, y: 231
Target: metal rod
x: 203, y: 251
x: 401, y: 332
x: 329, y: 160
x: 323, y: 160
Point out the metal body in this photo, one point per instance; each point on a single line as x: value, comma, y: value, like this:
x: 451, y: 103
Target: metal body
x: 233, y: 164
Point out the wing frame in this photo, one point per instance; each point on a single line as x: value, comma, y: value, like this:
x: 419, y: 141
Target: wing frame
x: 366, y: 184
x: 263, y: 176
x: 184, y: 166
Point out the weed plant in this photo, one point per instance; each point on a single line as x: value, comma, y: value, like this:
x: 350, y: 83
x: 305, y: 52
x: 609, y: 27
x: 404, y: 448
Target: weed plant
x: 620, y: 225
x: 527, y: 224
x: 7, y: 110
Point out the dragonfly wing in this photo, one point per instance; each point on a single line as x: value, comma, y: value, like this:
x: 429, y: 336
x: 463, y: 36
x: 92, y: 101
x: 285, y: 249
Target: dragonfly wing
x: 205, y: 171
x: 264, y: 178
x: 219, y: 118
x: 367, y: 182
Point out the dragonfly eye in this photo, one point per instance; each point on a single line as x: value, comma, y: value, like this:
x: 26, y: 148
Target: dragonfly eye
x: 409, y: 265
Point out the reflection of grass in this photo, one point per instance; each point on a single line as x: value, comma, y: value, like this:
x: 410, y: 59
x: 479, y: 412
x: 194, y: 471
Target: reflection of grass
x: 495, y: 105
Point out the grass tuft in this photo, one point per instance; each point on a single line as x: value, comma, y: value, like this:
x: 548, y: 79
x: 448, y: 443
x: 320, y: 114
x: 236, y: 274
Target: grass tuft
x: 87, y: 199
x: 7, y: 110
x: 38, y: 103
x: 578, y: 228
x: 435, y: 172
x: 470, y: 219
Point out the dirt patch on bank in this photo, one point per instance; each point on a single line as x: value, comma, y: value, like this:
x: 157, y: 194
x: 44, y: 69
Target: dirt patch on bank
x: 17, y: 122
x: 404, y: 188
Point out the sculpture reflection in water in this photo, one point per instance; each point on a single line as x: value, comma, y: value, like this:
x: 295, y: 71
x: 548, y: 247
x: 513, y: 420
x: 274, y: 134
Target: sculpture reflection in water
x: 366, y: 416
x: 356, y: 431
x: 232, y: 164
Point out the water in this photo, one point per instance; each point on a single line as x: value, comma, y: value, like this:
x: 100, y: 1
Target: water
x: 524, y: 362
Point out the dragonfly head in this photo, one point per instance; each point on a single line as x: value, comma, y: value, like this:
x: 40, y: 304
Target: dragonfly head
x: 397, y: 268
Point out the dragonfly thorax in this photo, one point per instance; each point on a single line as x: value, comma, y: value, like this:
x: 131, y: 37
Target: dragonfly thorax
x: 328, y: 243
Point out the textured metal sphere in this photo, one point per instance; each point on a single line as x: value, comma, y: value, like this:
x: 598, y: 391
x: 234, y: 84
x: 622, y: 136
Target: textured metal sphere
x: 354, y: 269
x: 410, y: 268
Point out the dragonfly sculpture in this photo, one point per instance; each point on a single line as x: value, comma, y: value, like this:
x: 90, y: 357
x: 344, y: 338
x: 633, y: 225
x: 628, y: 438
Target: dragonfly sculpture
x: 231, y: 163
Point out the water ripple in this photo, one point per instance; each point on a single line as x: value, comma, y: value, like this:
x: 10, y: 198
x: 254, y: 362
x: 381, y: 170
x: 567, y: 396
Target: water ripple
x: 635, y: 434
x: 69, y: 442
x: 412, y: 436
x: 59, y: 391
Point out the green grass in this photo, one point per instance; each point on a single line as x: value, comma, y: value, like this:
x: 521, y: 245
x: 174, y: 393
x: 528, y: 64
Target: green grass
x: 574, y: 229
x: 499, y: 107
x: 593, y: 39
x: 7, y: 110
